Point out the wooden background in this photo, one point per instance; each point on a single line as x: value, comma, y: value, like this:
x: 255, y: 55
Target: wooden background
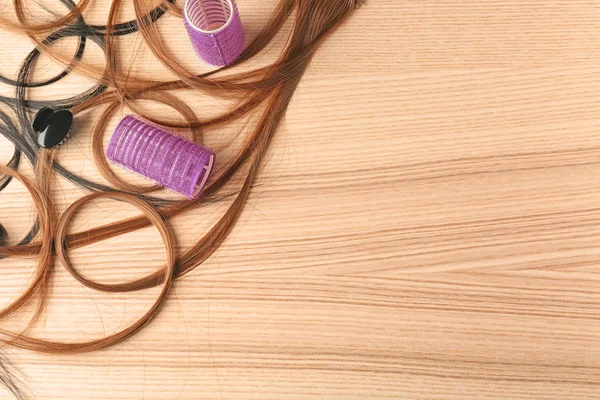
x: 427, y: 225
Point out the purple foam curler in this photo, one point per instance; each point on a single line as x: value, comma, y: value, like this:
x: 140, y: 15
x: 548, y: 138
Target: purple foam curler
x: 215, y: 29
x: 174, y: 162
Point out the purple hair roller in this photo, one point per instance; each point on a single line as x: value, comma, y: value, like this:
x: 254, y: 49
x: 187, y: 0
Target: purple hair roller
x: 174, y: 162
x: 215, y: 29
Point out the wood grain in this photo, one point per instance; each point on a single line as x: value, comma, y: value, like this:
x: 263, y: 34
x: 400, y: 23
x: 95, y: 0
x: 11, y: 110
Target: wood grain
x: 427, y: 226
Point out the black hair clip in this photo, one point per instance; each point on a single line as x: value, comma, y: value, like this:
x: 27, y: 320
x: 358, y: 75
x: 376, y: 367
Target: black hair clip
x: 2, y: 233
x: 53, y: 127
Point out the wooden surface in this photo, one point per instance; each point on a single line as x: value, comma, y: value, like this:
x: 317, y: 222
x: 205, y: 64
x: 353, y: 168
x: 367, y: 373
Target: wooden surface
x: 427, y: 225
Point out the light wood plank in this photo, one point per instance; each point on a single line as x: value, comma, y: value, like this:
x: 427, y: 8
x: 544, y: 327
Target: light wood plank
x: 426, y: 226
